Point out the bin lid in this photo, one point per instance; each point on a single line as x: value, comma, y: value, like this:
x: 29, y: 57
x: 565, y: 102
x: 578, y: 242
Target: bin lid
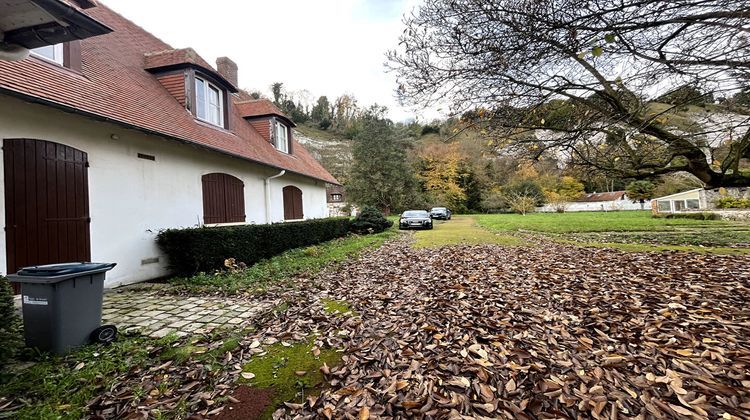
x: 54, y: 270
x: 53, y: 273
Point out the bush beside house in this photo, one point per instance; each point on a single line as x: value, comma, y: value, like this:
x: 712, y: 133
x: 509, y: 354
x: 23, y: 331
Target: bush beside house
x: 370, y: 220
x: 205, y: 249
x: 10, y: 337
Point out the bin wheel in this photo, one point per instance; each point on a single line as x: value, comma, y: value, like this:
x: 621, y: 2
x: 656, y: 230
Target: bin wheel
x: 104, y: 334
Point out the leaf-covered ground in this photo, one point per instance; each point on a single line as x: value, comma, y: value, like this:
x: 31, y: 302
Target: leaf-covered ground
x: 547, y: 332
x: 464, y: 331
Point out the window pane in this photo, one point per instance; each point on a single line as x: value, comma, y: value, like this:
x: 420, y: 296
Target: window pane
x: 200, y: 98
x: 679, y: 205
x: 664, y: 206
x: 282, y: 142
x: 51, y: 52
x: 693, y: 204
x: 214, y: 106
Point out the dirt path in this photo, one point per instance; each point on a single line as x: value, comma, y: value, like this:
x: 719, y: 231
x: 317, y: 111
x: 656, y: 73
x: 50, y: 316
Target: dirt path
x: 552, y: 331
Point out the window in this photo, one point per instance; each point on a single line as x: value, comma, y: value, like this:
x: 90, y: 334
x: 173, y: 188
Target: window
x: 281, y: 139
x: 692, y: 204
x: 336, y: 197
x: 292, y: 203
x: 209, y: 104
x: 664, y: 206
x: 51, y: 52
x: 679, y: 205
x: 223, y: 199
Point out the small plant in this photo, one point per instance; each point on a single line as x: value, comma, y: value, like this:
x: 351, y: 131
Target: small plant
x: 370, y: 220
x: 731, y: 202
x: 10, y: 337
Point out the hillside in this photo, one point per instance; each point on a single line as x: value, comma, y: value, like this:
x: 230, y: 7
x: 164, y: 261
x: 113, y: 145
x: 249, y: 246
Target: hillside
x: 331, y: 150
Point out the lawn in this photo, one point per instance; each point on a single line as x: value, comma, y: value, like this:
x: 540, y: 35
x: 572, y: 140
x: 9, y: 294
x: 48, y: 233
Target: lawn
x: 621, y: 221
x: 628, y: 230
x: 461, y: 230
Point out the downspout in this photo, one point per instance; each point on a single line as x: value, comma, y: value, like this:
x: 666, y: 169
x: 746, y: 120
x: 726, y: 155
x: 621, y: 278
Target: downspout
x: 268, y: 194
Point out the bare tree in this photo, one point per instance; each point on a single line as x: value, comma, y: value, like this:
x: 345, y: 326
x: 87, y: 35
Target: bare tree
x: 575, y: 77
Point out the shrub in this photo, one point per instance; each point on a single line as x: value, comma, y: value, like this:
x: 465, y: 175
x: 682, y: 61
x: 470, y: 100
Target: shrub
x: 692, y: 216
x: 10, y: 337
x: 205, y: 249
x: 730, y: 202
x: 370, y: 220
x: 324, y: 124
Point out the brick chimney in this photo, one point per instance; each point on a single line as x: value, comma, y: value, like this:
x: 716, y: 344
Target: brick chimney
x: 227, y: 69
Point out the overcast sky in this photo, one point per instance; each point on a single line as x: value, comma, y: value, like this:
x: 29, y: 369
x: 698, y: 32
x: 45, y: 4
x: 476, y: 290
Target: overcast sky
x: 328, y: 47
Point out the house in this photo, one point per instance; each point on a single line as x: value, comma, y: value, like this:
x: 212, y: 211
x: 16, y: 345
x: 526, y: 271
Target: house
x: 337, y: 201
x: 683, y: 201
x: 698, y: 199
x: 606, y: 201
x: 110, y: 135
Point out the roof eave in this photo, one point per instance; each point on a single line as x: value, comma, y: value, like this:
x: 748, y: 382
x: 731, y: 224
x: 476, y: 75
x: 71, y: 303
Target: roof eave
x: 226, y: 84
x: 98, y: 117
x: 78, y: 25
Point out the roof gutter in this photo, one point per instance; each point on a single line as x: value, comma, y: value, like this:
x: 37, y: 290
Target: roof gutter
x: 267, y: 186
x: 97, y: 117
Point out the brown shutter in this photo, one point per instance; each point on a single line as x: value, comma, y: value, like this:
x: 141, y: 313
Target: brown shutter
x: 223, y: 199
x: 292, y: 203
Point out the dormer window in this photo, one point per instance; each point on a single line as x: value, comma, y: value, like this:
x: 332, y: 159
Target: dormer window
x: 51, y: 52
x: 209, y: 102
x: 281, y: 138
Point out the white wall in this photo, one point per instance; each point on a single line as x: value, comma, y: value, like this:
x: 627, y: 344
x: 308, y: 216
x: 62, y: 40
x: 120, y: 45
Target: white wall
x: 616, y: 205
x: 131, y: 199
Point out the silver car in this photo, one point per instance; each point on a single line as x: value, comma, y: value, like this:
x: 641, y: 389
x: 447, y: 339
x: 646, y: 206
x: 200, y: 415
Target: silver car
x: 440, y: 213
x: 415, y: 219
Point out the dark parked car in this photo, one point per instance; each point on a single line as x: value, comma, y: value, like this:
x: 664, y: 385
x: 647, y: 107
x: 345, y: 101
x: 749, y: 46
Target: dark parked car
x: 416, y: 219
x: 440, y: 213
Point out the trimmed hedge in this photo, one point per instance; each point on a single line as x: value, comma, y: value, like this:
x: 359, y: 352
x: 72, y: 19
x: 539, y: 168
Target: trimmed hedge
x: 204, y: 249
x: 693, y: 216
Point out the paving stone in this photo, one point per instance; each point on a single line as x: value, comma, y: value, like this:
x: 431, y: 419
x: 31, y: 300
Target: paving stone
x: 235, y: 321
x: 162, y: 332
x: 206, y: 318
x: 179, y: 324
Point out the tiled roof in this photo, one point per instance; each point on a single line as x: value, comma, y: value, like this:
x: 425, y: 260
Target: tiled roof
x: 173, y: 56
x: 114, y: 85
x: 260, y: 107
x: 605, y: 196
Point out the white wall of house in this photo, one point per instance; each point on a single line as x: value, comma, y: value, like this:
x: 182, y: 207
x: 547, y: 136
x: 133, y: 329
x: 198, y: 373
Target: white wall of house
x: 131, y: 199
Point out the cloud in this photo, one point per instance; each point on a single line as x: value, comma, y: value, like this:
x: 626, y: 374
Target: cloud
x: 328, y: 47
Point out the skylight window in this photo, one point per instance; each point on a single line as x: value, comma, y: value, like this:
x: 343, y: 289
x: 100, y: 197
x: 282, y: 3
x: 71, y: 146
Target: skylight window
x: 209, y: 105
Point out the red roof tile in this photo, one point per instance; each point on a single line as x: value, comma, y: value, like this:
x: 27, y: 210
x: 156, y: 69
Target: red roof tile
x: 260, y: 107
x: 115, y: 86
x: 171, y: 57
x: 605, y: 196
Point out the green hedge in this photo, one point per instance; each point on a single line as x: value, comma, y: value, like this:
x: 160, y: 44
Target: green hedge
x: 10, y: 335
x: 693, y: 216
x: 204, y: 249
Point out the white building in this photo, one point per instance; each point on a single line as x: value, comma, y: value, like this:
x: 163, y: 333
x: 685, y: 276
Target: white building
x: 683, y: 201
x: 606, y: 201
x: 109, y: 139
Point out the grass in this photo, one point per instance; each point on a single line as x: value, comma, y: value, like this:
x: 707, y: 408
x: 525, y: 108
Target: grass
x: 282, y: 267
x: 621, y: 221
x: 60, y: 387
x: 337, y: 307
x: 461, y: 230
x: 632, y: 231
x: 278, y: 370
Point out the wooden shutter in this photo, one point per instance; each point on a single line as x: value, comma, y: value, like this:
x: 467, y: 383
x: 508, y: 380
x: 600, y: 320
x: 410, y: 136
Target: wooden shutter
x: 293, y: 203
x: 46, y: 203
x: 223, y: 199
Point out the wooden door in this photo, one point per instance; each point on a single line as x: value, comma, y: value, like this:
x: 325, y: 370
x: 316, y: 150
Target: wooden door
x: 292, y: 203
x: 223, y: 199
x: 46, y: 203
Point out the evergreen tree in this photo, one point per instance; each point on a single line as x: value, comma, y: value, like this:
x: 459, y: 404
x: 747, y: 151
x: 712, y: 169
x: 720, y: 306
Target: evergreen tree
x: 380, y: 175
